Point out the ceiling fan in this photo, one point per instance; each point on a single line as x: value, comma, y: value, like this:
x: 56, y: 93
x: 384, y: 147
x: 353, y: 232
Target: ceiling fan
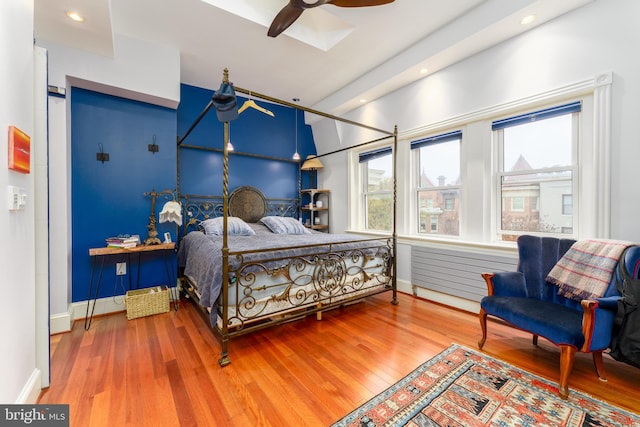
x: 294, y: 9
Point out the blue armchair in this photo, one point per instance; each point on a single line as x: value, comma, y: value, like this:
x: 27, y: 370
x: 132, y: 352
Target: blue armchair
x: 526, y: 301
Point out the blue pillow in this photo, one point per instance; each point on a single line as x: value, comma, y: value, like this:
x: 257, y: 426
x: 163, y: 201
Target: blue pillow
x: 284, y: 225
x: 235, y: 227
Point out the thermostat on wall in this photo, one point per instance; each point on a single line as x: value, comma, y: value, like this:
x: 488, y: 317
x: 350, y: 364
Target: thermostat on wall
x: 17, y: 198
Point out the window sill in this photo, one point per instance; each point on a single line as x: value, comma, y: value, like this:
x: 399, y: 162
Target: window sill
x: 502, y: 248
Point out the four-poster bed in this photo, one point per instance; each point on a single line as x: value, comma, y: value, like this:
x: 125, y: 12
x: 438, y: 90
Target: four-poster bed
x: 249, y: 264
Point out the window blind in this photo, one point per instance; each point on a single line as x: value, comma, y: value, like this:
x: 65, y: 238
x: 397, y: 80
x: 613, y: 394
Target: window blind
x: 445, y: 137
x: 537, y: 115
x: 375, y: 154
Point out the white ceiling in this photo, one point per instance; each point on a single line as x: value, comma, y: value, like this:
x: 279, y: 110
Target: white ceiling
x: 330, y: 58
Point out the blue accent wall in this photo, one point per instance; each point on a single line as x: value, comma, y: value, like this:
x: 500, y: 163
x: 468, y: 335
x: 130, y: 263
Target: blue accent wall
x: 252, y: 132
x: 108, y: 198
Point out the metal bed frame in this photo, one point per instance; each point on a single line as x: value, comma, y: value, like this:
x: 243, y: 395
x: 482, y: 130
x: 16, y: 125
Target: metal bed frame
x: 328, y: 287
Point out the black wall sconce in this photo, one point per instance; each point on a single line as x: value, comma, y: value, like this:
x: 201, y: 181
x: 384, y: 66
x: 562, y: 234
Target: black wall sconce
x: 101, y: 156
x: 154, y: 147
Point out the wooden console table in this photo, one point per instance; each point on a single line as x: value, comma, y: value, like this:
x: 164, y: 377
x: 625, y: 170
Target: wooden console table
x: 100, y: 254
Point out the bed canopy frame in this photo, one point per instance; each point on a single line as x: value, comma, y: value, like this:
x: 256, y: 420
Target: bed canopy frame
x: 225, y: 197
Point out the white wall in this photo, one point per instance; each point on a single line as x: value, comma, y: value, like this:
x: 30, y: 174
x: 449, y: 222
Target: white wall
x: 141, y: 71
x: 20, y: 377
x: 41, y: 206
x: 597, y: 38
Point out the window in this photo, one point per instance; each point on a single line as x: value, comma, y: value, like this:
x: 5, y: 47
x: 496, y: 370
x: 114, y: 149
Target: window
x: 437, y: 161
x: 517, y: 204
x: 377, y: 169
x: 503, y: 182
x: 537, y: 160
x: 567, y: 204
x: 449, y: 203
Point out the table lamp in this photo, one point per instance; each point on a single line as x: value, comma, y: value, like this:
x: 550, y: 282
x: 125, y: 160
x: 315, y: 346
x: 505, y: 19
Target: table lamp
x: 312, y: 164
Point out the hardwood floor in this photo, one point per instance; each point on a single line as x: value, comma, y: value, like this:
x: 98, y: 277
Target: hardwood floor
x: 162, y: 370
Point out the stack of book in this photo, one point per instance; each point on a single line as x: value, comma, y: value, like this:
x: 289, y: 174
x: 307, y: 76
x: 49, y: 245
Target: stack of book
x: 123, y: 241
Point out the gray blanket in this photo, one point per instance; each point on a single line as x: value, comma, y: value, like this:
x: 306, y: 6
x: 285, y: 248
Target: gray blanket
x: 201, y: 255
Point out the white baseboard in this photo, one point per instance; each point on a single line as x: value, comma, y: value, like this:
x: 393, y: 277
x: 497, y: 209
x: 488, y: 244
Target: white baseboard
x: 61, y: 322
x: 31, y: 390
x: 439, y: 297
x: 103, y: 306
x: 404, y: 286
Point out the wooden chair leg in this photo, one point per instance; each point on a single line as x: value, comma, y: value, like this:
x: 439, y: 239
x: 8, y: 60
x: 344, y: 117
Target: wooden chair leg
x: 483, y: 325
x: 599, y: 365
x: 567, y: 355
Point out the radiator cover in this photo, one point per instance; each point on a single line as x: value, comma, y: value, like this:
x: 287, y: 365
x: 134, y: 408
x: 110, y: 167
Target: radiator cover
x: 456, y: 272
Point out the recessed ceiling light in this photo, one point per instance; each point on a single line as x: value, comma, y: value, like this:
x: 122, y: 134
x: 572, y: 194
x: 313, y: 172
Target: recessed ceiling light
x: 75, y: 16
x: 528, y: 19
x: 424, y: 70
x: 362, y: 101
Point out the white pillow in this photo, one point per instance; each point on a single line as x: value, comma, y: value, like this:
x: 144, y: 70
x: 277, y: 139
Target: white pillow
x: 235, y: 227
x: 284, y: 225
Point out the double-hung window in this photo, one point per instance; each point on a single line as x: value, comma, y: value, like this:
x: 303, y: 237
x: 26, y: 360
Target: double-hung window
x: 437, y: 166
x: 377, y: 178
x: 537, y: 167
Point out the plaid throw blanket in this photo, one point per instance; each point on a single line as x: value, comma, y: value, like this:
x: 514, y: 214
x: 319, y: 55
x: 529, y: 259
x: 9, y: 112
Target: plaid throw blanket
x: 586, y: 269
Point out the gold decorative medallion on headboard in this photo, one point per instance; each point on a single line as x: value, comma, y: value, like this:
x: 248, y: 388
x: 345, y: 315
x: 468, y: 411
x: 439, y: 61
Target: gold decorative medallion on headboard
x: 247, y: 203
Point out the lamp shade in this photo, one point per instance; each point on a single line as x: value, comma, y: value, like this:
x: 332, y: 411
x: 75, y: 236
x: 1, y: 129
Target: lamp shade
x: 171, y: 212
x: 312, y: 162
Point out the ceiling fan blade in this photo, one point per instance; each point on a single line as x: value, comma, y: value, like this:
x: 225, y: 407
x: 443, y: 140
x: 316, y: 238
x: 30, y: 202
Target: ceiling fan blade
x: 359, y: 3
x: 294, y: 9
x: 284, y: 19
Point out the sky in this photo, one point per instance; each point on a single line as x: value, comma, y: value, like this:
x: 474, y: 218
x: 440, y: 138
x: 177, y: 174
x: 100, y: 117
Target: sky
x: 544, y: 143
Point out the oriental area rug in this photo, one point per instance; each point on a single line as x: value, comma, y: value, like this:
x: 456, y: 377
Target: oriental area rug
x: 461, y: 387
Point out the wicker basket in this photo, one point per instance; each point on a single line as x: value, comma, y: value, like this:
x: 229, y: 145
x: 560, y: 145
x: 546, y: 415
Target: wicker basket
x: 145, y: 302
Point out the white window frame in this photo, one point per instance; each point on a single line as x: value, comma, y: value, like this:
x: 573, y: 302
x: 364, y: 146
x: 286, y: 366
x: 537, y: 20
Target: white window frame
x: 500, y: 173
x: 365, y: 193
x: 417, y: 188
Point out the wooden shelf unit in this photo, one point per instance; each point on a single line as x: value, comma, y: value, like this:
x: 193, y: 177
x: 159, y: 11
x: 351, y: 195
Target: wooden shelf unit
x: 314, y: 217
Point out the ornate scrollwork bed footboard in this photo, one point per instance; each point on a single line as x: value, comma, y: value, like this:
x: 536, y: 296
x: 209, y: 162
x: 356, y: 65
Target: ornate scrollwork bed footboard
x: 325, y: 278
